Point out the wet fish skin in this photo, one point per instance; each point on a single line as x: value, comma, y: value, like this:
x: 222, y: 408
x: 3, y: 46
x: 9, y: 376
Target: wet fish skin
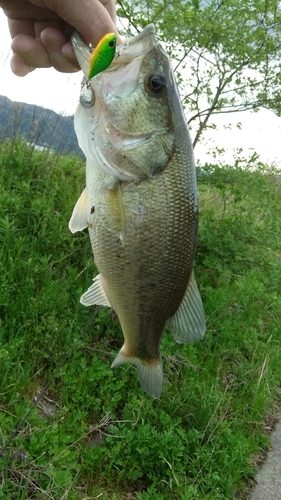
x: 140, y: 203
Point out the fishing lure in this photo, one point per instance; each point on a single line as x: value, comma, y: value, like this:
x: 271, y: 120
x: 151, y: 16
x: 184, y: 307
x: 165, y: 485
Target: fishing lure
x: 87, y: 95
x: 102, y: 55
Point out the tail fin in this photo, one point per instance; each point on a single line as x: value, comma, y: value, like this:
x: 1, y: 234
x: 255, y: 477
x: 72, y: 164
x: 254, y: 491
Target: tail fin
x: 150, y: 373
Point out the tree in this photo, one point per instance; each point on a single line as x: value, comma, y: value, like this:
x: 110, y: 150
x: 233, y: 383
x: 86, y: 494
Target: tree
x: 226, y: 53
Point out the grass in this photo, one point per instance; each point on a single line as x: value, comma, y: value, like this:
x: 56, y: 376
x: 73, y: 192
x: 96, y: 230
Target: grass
x: 96, y: 434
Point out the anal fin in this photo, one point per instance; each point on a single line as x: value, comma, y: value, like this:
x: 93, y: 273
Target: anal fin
x: 189, y: 324
x: 95, y: 295
x: 150, y: 373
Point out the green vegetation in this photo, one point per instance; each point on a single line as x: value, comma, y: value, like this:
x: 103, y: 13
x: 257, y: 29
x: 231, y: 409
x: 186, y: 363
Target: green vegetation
x: 107, y: 439
x: 226, y: 53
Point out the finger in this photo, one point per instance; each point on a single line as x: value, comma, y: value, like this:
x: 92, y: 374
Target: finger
x: 111, y: 9
x: 40, y: 48
x: 54, y: 41
x: 25, y: 9
x: 90, y: 17
x: 67, y: 51
x: 30, y: 51
x: 19, y: 67
x: 33, y: 28
x: 21, y: 27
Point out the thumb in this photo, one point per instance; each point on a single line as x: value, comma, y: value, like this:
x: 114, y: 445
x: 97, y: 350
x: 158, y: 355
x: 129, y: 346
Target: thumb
x: 92, y: 18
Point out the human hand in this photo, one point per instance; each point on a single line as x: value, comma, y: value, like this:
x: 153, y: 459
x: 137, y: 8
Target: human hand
x: 41, y: 29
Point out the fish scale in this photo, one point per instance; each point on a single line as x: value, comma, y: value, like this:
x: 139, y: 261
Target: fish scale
x: 128, y: 278
x: 140, y: 203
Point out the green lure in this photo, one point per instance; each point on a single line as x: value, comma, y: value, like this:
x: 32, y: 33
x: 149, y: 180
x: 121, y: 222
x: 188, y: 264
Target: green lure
x: 102, y: 55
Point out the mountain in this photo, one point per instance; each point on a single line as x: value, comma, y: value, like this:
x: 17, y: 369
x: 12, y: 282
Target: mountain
x: 40, y: 126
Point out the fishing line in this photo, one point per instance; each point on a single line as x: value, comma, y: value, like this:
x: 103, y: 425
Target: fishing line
x: 38, y: 398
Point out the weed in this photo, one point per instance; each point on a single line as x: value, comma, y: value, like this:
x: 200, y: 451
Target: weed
x: 97, y: 434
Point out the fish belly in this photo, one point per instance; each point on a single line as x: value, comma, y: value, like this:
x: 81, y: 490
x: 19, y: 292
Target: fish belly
x: 143, y: 238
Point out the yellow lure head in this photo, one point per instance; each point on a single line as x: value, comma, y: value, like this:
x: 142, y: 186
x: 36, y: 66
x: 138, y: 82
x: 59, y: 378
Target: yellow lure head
x: 102, y: 55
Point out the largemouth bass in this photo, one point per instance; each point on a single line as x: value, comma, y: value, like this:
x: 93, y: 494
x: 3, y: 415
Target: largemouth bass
x: 140, y: 202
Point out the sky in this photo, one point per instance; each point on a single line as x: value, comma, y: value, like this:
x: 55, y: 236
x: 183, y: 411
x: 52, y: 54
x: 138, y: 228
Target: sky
x: 261, y: 132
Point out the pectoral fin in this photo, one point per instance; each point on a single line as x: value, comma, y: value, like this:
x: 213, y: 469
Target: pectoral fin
x: 78, y: 220
x: 95, y: 295
x: 188, y: 324
x: 115, y: 206
x: 150, y: 373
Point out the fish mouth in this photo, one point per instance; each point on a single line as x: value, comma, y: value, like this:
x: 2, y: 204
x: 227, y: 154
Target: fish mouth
x: 147, y: 31
x: 118, y: 152
x: 131, y: 48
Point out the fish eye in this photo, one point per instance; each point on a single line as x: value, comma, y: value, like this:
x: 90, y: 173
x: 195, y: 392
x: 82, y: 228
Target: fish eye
x: 155, y: 85
x: 111, y: 44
